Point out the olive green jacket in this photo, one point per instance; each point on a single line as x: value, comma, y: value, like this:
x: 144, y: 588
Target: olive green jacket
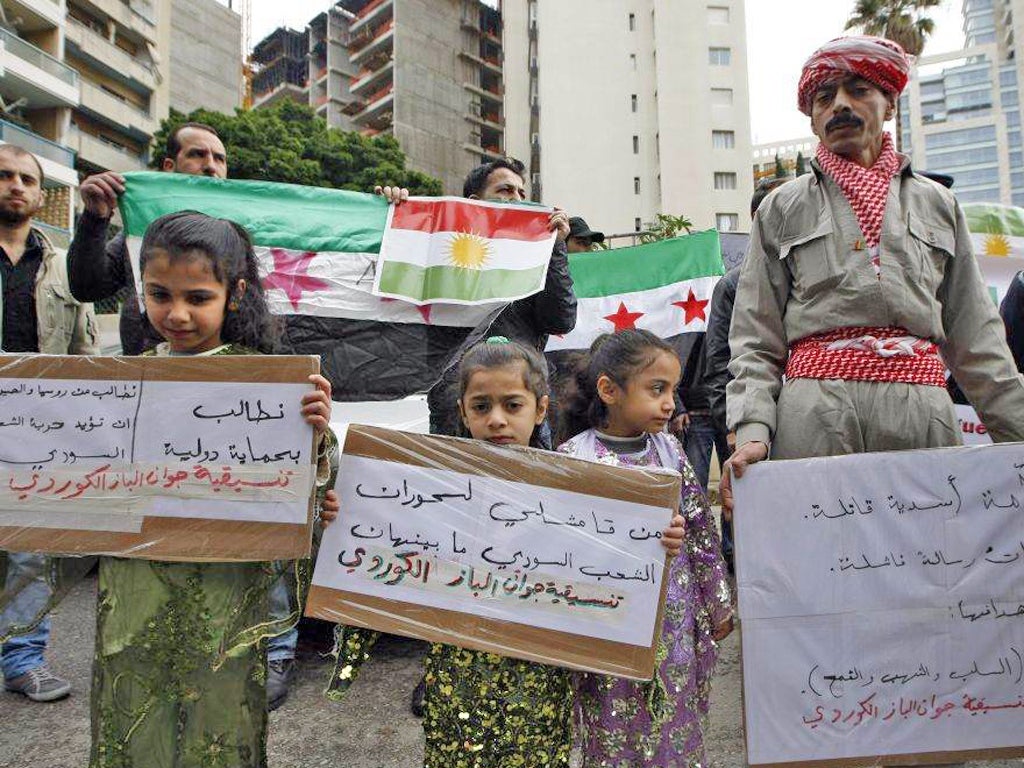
x: 807, y: 272
x: 66, y: 326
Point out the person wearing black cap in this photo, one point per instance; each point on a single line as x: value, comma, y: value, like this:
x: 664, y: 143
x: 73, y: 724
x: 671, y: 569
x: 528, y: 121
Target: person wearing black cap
x: 581, y: 236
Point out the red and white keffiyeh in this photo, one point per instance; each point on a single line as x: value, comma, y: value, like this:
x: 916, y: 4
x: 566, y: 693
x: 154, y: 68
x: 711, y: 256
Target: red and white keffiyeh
x: 877, y: 60
x: 866, y: 189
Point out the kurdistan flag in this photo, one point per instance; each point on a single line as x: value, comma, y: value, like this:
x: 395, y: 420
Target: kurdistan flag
x: 318, y: 250
x: 663, y: 287
x: 451, y: 250
x: 997, y: 233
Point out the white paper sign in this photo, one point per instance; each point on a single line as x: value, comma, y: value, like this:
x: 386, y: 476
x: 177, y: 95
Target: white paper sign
x: 498, y: 549
x: 882, y: 603
x: 101, y: 455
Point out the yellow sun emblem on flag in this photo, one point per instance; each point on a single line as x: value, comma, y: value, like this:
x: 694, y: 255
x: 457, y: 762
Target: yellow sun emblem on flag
x: 997, y: 245
x: 468, y: 251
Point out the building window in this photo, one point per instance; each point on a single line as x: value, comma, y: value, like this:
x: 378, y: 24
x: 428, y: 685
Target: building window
x: 721, y: 97
x: 720, y: 57
x: 723, y: 139
x: 718, y: 14
x: 727, y: 222
x: 636, y: 185
x: 632, y: 22
x: 725, y: 180
x: 636, y: 145
x: 633, y: 102
x: 636, y: 224
x: 632, y: 61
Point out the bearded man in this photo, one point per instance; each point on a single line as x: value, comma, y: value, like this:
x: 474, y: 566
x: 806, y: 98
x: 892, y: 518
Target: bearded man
x: 859, y: 289
x: 37, y: 314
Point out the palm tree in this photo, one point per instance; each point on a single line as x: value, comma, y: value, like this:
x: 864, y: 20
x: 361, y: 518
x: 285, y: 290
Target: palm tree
x: 902, y: 21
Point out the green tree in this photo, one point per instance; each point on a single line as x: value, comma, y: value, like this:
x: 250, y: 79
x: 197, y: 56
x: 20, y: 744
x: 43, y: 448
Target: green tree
x: 666, y: 226
x: 902, y: 21
x: 801, y: 164
x: 780, y: 169
x: 290, y: 143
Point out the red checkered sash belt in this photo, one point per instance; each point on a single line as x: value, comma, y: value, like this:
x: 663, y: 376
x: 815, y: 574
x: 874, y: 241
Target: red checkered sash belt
x: 867, y: 354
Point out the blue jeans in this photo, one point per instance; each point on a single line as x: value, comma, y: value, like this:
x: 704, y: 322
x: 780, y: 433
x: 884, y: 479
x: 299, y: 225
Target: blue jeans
x: 26, y: 573
x: 700, y: 436
x: 281, y: 647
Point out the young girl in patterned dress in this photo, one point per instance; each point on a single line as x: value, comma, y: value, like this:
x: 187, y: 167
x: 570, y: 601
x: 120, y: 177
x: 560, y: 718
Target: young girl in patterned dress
x: 180, y: 665
x: 618, y: 416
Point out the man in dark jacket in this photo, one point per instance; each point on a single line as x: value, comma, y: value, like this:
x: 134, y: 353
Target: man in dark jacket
x: 528, y: 321
x: 98, y: 268
x: 1012, y: 310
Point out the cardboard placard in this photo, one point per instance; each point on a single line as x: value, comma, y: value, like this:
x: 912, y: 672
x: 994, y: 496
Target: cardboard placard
x: 883, y: 617
x: 520, y: 552
x: 163, y: 458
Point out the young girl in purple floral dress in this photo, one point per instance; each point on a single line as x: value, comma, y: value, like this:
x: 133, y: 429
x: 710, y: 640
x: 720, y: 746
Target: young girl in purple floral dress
x: 618, y: 416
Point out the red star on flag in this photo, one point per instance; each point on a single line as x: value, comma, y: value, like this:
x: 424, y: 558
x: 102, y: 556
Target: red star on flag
x: 623, y: 319
x: 291, y: 274
x: 693, y: 307
x: 424, y: 309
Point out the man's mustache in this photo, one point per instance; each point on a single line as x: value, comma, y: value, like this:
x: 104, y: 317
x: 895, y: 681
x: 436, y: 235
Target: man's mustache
x: 844, y: 120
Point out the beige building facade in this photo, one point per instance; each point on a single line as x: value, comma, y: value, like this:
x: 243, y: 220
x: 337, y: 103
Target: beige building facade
x: 86, y: 83
x: 428, y: 72
x: 624, y: 109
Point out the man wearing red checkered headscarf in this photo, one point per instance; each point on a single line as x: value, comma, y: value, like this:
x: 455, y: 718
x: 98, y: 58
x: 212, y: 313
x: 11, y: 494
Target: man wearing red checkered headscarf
x: 860, y: 288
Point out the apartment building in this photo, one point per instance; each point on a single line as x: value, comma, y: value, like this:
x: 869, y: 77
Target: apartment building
x: 428, y: 72
x: 84, y: 84
x: 961, y: 114
x: 628, y: 109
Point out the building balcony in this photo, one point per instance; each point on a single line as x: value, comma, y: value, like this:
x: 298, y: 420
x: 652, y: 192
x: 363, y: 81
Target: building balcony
x: 372, y: 11
x: 378, y: 109
x: 83, y: 42
x: 136, y: 15
x: 488, y: 118
x: 372, y: 80
x: 361, y: 49
x: 491, y: 65
x: 37, y: 15
x: 58, y: 161
x: 36, y: 144
x: 495, y: 95
x: 489, y: 152
x: 33, y: 74
x: 473, y: 25
x: 281, y: 92
x: 108, y: 108
x: 98, y: 152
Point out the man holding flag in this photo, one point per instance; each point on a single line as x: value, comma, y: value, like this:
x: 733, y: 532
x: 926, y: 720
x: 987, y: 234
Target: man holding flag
x: 530, y: 320
x: 859, y: 288
x: 99, y: 268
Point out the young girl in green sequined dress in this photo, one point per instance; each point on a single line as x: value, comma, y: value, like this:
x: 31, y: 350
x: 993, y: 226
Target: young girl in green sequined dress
x: 180, y: 665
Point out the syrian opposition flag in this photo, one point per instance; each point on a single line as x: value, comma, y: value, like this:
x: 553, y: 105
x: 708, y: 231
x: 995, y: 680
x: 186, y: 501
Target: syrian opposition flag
x: 454, y: 251
x: 318, y: 251
x: 664, y: 287
x: 997, y: 233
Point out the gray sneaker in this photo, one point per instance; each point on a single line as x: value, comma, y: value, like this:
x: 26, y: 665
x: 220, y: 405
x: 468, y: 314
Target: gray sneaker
x: 279, y: 680
x: 39, y: 684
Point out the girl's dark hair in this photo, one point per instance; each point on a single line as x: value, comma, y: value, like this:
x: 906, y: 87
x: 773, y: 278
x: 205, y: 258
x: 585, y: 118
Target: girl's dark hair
x: 498, y: 352
x: 228, y: 248
x: 620, y: 357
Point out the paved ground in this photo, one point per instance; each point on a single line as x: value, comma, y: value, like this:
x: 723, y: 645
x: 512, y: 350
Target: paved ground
x: 372, y: 728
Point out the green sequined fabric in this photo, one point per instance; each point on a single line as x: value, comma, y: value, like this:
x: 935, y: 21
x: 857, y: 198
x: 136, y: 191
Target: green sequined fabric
x: 179, y: 677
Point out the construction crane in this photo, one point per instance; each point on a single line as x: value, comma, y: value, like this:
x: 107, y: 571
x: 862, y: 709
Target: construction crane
x: 244, y: 9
